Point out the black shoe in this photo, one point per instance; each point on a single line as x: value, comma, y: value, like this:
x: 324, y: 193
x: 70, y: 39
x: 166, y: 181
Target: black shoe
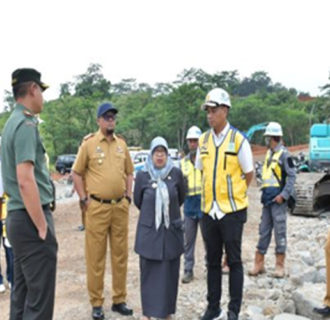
x: 231, y: 315
x: 211, y: 314
x: 187, y: 277
x: 325, y: 311
x: 97, y: 313
x: 122, y: 309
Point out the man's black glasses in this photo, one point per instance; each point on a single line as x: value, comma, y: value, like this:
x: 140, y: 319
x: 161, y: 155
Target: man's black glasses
x: 108, y: 117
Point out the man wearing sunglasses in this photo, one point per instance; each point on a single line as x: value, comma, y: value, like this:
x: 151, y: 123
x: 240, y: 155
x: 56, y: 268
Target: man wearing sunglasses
x: 103, y: 176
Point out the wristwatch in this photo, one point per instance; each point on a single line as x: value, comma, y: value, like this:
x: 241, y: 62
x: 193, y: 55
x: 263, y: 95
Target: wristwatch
x: 84, y: 200
x: 128, y: 199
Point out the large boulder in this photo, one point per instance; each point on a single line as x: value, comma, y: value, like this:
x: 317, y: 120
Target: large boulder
x: 306, y: 298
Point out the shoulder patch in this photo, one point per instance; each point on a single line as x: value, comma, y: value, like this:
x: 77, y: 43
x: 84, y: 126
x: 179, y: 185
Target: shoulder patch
x: 30, y: 123
x: 87, y: 137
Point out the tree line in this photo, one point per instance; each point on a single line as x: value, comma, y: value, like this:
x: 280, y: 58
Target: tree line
x: 169, y: 109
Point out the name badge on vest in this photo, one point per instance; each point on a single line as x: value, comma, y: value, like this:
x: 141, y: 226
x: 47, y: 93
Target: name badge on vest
x: 231, y: 147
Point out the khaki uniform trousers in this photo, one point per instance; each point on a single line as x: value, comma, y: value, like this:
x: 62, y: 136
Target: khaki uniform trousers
x: 327, y: 260
x: 103, y: 220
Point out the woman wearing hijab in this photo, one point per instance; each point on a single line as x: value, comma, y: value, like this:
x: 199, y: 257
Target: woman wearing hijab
x: 159, y: 193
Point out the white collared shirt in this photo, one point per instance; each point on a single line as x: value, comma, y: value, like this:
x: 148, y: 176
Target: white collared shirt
x: 245, y: 158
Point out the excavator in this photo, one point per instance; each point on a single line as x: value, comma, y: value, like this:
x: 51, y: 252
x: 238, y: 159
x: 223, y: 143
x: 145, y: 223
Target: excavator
x: 313, y: 188
x: 257, y: 127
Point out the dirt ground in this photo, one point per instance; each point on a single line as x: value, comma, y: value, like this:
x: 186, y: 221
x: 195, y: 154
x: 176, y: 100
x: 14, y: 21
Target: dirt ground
x: 71, y: 294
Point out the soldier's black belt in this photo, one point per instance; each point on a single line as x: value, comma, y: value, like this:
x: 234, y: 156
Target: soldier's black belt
x: 109, y: 201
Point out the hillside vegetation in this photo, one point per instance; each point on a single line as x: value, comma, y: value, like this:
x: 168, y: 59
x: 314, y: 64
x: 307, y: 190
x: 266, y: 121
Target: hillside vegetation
x: 169, y: 109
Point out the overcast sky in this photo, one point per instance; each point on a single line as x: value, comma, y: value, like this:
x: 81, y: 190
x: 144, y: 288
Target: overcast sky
x: 154, y: 40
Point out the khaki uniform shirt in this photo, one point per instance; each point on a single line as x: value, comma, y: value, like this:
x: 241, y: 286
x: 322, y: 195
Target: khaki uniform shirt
x: 21, y: 143
x: 104, y: 165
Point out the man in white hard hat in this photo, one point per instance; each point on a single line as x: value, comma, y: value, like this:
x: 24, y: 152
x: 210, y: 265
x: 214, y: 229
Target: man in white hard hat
x: 224, y: 156
x: 192, y: 203
x: 278, y: 177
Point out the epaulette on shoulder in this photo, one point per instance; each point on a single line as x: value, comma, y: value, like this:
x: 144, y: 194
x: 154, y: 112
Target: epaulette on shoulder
x: 120, y: 137
x: 87, y: 137
x: 27, y: 113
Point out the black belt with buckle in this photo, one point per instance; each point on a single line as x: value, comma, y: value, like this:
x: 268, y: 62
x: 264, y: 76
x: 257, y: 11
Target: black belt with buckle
x: 109, y: 201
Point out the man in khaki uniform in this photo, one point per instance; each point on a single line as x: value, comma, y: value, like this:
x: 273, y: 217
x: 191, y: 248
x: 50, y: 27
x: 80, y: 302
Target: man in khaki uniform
x: 104, y: 164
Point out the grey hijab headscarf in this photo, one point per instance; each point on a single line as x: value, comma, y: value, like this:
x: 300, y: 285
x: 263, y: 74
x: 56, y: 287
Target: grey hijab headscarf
x: 158, y: 177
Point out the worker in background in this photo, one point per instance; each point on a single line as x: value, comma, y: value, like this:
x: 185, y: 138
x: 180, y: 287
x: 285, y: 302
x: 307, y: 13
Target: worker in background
x: 8, y: 249
x: 278, y: 178
x: 2, y: 230
x: 325, y: 310
x: 4, y: 240
x: 82, y: 206
x: 192, y: 203
x: 2, y: 286
x: 225, y: 158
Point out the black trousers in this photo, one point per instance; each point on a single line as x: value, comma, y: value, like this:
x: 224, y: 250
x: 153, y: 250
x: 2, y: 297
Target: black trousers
x: 33, y: 293
x: 218, y: 234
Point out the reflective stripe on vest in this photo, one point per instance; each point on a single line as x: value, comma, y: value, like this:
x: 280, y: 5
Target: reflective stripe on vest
x: 272, y: 169
x: 223, y: 180
x: 193, y: 176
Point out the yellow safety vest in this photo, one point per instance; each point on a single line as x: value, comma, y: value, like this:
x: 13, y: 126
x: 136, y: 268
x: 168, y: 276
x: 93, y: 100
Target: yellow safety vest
x: 4, y: 214
x: 223, y: 180
x: 272, y: 173
x: 193, y: 175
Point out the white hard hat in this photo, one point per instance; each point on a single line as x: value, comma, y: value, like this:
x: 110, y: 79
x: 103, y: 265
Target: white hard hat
x: 215, y: 98
x: 273, y: 129
x: 194, y: 133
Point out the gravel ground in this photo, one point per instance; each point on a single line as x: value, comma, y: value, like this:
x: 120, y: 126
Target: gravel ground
x: 71, y: 294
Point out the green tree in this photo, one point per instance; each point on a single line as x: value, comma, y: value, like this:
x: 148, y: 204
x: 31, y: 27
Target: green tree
x: 66, y: 121
x: 125, y: 86
x: 326, y: 88
x: 92, y: 84
x: 259, y: 81
x: 8, y: 100
x: 181, y: 110
x: 227, y: 80
x: 135, y: 117
x: 65, y: 89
